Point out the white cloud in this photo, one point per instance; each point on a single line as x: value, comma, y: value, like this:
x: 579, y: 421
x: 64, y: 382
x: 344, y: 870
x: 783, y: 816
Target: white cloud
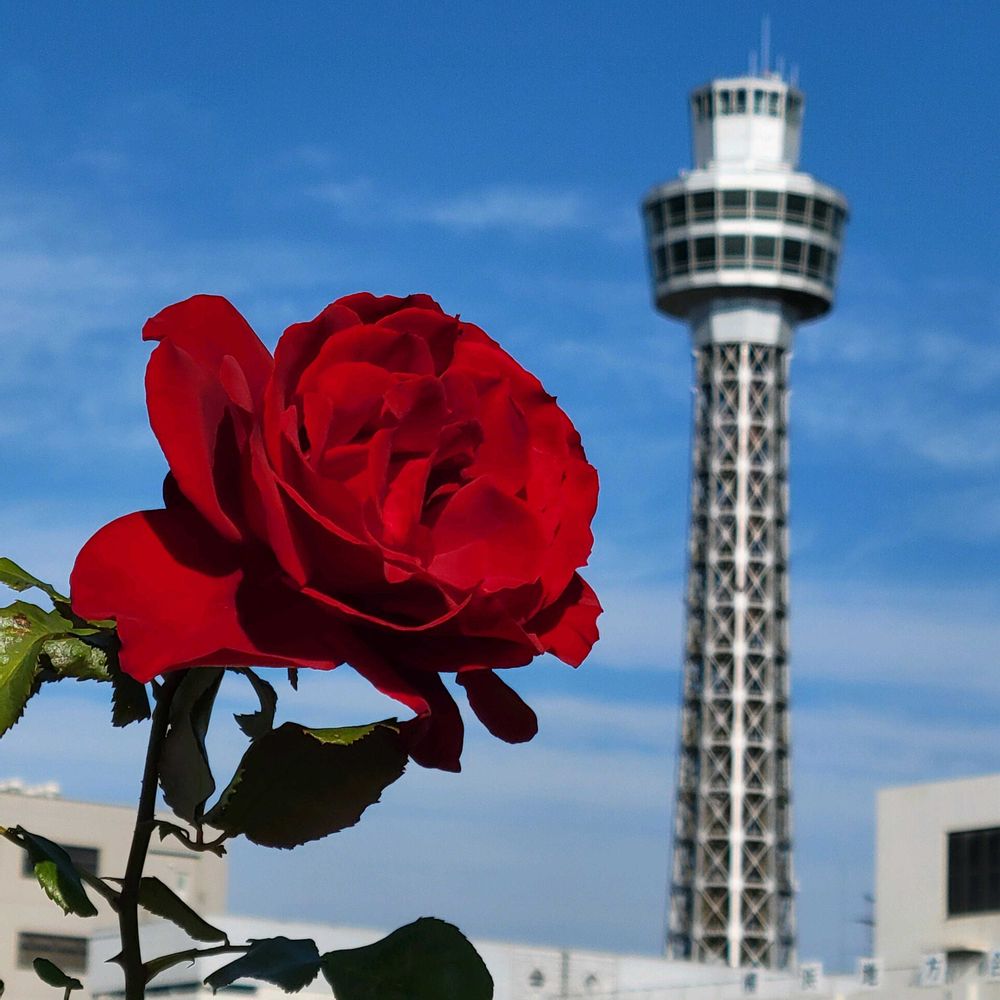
x: 508, y: 207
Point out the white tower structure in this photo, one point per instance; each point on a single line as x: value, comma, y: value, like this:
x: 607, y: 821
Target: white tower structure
x: 744, y: 247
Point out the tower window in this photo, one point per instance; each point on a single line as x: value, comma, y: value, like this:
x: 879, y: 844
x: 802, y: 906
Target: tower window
x: 791, y: 256
x: 741, y: 101
x: 677, y: 210
x: 698, y: 107
x: 758, y: 102
x: 537, y: 979
x: 680, y: 257
x: 821, y: 214
x: 764, y: 249
x: 654, y: 218
x: 709, y: 105
x: 838, y: 221
x: 795, y: 208
x: 734, y: 251
x: 704, y: 253
x: 973, y: 871
x: 773, y: 104
x: 725, y: 102
x: 816, y: 261
x: 703, y: 206
x: 765, y: 204
x: 831, y: 267
x: 661, y: 262
x: 794, y: 106
x: 734, y: 204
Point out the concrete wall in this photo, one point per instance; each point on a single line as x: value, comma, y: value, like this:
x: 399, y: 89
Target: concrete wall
x: 911, y: 870
x: 200, y: 879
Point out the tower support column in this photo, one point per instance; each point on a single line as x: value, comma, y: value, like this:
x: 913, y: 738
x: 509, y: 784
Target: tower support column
x: 731, y: 893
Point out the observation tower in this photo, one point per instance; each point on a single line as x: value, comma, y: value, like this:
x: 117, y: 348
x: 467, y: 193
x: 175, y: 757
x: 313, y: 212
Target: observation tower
x: 744, y: 248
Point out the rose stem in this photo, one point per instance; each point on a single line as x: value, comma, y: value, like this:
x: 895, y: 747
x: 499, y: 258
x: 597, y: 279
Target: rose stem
x: 128, y: 903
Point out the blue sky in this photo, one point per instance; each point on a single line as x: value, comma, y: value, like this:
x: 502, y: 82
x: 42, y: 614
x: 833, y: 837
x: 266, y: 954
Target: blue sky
x: 494, y: 156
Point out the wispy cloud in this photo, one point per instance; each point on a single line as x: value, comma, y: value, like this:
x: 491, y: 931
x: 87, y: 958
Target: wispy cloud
x: 512, y: 208
x: 519, y: 210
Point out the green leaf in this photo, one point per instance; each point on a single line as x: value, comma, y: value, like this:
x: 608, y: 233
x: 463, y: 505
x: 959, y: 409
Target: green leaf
x: 18, y: 666
x: 159, y: 898
x: 185, y: 774
x: 296, y: 784
x: 24, y: 628
x: 285, y: 962
x: 129, y: 701
x: 13, y: 576
x: 56, y: 874
x: 51, y: 974
x: 426, y: 960
x: 72, y: 657
x: 258, y: 723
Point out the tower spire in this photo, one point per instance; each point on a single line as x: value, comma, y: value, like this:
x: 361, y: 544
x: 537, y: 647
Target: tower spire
x: 744, y: 248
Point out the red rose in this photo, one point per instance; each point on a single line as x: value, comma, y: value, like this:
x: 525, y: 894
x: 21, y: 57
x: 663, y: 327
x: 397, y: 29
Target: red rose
x: 391, y: 490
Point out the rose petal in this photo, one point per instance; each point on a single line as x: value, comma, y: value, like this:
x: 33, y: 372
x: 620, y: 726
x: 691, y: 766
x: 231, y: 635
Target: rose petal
x: 436, y: 735
x: 372, y: 308
x: 499, y: 707
x: 568, y: 627
x: 174, y: 588
x: 486, y: 538
x: 209, y: 328
x: 188, y: 410
x: 439, y: 330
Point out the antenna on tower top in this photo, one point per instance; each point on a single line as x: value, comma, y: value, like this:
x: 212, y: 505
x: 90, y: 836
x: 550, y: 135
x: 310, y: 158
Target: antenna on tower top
x: 765, y: 44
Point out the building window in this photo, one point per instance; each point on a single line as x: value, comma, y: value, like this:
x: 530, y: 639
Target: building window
x: 821, y: 214
x: 741, y: 101
x: 725, y: 100
x: 758, y: 102
x: 703, y: 206
x: 831, y: 267
x: 85, y: 859
x: 838, y: 221
x: 791, y: 256
x: 765, y: 204
x: 816, y: 261
x: 536, y: 979
x: 679, y: 257
x: 654, y: 218
x: 734, y: 251
x: 676, y: 210
x: 794, y: 105
x: 795, y: 209
x: 660, y: 258
x: 704, y: 253
x: 973, y: 871
x: 764, y: 249
x: 69, y: 953
x: 773, y: 104
x: 734, y: 204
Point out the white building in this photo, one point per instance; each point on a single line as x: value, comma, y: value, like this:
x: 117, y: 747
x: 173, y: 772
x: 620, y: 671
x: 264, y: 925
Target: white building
x: 97, y: 837
x: 937, y: 934
x: 938, y: 872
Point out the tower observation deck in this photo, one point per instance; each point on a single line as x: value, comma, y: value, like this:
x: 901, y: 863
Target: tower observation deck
x: 744, y: 247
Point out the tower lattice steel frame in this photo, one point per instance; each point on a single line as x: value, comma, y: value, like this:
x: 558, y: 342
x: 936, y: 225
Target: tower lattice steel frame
x: 744, y: 248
